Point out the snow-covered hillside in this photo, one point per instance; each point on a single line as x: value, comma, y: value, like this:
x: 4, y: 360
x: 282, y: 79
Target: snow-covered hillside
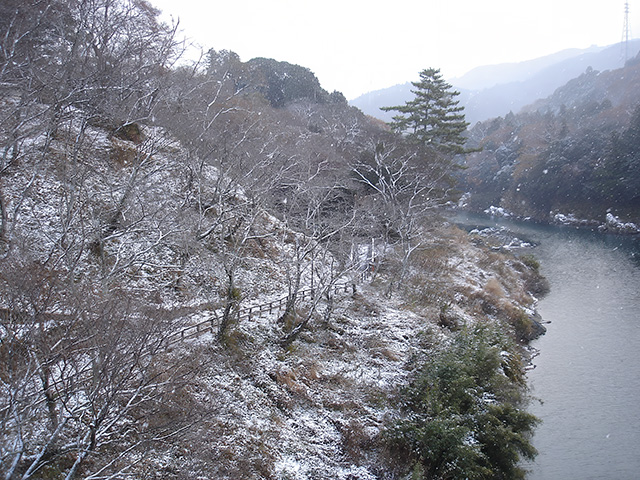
x: 243, y: 407
x: 219, y: 270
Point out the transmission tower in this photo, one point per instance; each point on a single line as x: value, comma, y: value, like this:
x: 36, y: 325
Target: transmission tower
x: 625, y: 32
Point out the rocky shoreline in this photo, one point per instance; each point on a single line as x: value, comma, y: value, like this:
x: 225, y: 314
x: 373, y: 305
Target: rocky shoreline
x: 612, y: 223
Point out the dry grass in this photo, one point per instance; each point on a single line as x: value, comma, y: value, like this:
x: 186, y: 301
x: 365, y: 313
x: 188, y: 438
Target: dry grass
x: 363, y: 305
x: 355, y: 438
x: 298, y: 379
x: 494, y: 290
x: 378, y: 348
x: 495, y: 262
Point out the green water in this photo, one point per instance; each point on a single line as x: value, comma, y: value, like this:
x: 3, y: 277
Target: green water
x: 588, y: 372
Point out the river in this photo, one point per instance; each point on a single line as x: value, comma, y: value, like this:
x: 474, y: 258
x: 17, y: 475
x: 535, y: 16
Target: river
x: 587, y: 375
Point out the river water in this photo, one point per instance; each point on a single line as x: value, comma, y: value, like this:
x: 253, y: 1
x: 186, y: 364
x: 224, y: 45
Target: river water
x: 587, y: 375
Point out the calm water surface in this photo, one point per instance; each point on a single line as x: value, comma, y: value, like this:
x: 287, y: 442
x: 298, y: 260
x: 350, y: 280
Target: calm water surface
x: 587, y: 375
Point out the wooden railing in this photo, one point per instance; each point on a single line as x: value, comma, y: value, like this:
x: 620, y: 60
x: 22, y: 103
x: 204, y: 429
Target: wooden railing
x: 212, y: 323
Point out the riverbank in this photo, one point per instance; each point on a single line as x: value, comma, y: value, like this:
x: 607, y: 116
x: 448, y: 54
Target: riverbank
x: 326, y: 405
x: 587, y: 363
x: 611, y: 223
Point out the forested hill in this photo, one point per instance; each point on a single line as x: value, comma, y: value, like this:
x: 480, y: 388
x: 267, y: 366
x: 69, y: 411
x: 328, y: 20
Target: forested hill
x: 495, y: 90
x: 218, y: 269
x: 574, y: 156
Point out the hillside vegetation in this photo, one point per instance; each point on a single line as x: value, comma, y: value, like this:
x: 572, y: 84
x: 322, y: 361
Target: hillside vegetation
x: 220, y: 270
x: 571, y: 157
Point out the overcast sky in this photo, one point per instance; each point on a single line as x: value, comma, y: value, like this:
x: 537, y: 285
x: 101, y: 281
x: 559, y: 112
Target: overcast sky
x: 356, y: 46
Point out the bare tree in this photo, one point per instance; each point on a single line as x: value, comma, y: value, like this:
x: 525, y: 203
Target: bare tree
x: 86, y: 368
x: 236, y: 163
x: 402, y: 189
x: 317, y: 205
x: 79, y: 355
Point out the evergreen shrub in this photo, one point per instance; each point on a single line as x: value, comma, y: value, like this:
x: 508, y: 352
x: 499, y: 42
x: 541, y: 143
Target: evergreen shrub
x: 464, y: 415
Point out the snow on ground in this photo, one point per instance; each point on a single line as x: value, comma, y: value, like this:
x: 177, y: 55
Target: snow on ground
x: 317, y: 409
x: 497, y: 211
x: 307, y: 403
x: 568, y: 219
x: 313, y: 410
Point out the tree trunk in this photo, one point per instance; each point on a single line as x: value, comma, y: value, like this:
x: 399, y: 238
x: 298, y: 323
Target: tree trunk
x: 231, y: 302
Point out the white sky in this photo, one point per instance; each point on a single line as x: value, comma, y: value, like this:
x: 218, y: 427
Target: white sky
x: 356, y: 46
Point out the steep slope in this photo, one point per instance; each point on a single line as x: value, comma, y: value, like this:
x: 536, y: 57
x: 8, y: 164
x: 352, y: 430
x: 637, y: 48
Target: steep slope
x: 219, y: 270
x: 244, y: 406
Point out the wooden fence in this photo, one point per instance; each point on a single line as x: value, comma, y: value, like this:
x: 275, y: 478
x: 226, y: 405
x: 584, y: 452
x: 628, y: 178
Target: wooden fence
x: 247, y: 313
x: 211, y: 325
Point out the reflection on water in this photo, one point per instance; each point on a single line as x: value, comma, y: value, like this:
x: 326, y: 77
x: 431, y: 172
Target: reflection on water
x: 587, y: 375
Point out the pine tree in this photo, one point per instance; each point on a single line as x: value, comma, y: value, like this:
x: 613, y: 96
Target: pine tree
x: 433, y: 118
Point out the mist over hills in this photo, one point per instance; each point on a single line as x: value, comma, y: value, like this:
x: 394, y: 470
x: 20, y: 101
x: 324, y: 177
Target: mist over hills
x: 495, y: 90
x: 558, y: 136
x: 488, y: 76
x: 571, y: 157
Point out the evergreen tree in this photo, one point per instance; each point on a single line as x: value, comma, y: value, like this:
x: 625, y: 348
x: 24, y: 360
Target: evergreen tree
x: 433, y: 118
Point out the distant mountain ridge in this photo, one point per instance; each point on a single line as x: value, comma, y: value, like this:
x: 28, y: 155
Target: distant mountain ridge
x: 495, y: 90
x: 572, y: 157
x: 488, y: 76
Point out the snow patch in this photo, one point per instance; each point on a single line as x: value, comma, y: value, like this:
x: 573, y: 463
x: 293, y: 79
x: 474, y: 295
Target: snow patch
x: 497, y: 212
x: 614, y: 224
x: 568, y: 219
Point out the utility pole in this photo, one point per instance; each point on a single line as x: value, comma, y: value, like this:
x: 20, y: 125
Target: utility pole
x: 625, y: 32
